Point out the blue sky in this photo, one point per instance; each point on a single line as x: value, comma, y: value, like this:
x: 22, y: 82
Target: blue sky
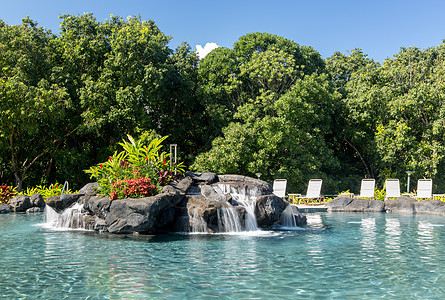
x: 379, y: 27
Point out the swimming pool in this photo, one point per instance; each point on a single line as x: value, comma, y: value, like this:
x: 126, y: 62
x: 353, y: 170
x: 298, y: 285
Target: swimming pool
x: 338, y: 256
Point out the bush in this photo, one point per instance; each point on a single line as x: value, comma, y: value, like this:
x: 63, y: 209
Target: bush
x: 136, y: 172
x: 6, y: 193
x: 53, y: 189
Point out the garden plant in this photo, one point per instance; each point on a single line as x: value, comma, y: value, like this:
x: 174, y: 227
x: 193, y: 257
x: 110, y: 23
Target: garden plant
x: 139, y: 171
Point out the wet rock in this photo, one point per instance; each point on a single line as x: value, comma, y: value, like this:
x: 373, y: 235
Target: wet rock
x: 212, y: 193
x: 60, y: 203
x: 143, y: 215
x: 300, y: 219
x: 268, y: 209
x: 5, y: 208
x: 20, y: 203
x: 34, y: 210
x: 263, y: 187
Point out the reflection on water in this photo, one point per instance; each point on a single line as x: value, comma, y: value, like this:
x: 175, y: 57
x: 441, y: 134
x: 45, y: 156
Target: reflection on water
x: 393, y: 235
x: 337, y: 255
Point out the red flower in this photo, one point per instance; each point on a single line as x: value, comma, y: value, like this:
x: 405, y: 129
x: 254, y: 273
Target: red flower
x: 109, y: 158
x: 101, y: 166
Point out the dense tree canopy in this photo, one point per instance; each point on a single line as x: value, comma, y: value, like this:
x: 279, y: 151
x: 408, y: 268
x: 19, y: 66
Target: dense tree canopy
x: 267, y: 105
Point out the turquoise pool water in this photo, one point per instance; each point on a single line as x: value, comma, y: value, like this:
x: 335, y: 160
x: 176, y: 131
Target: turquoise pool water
x: 337, y: 256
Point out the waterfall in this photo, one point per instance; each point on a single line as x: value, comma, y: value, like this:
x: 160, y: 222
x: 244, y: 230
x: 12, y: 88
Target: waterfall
x: 287, y: 218
x: 246, y: 198
x: 199, y: 225
x: 70, y: 218
x: 228, y: 220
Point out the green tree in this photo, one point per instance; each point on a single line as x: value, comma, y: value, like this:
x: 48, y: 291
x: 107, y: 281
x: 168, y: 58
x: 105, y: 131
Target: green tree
x: 32, y: 109
x: 279, y: 136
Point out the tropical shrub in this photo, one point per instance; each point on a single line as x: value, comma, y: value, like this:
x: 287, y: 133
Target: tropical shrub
x: 138, y: 171
x: 6, y: 193
x: 53, y: 189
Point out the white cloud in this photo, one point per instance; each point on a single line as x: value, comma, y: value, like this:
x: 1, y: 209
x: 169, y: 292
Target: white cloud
x: 203, y: 51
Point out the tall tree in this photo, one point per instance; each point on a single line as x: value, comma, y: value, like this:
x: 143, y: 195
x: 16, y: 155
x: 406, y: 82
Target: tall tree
x: 32, y: 109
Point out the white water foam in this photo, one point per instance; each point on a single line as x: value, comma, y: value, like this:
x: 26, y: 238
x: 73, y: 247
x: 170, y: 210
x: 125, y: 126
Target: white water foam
x: 199, y: 225
x: 69, y: 219
x: 287, y: 219
x: 245, y: 198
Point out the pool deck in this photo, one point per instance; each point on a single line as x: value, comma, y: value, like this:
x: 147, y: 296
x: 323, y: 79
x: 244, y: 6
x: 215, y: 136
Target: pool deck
x: 310, y: 208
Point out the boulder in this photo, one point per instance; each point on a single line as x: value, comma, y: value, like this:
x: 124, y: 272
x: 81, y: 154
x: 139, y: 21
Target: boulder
x: 145, y: 215
x: 37, y: 200
x: 268, y: 209
x: 212, y: 193
x: 60, y: 203
x: 434, y: 207
x: 204, y: 178
x: 179, y: 188
x: 197, y: 206
x: 34, y: 209
x: 5, y: 208
x: 263, y: 187
x: 89, y: 189
x: 347, y: 204
x: 300, y: 219
x: 20, y: 203
x: 338, y: 203
x: 98, y: 206
x: 400, y: 205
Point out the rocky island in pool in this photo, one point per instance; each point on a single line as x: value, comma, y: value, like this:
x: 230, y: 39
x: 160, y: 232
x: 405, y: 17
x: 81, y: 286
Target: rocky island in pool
x: 204, y: 202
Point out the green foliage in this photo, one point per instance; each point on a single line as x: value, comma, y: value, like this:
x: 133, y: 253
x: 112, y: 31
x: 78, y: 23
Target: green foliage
x: 6, y: 193
x: 380, y: 194
x: 54, y: 189
x: 138, y: 160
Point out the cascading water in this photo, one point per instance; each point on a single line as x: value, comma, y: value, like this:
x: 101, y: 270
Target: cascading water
x: 287, y: 218
x: 199, y: 225
x: 246, y: 198
x: 228, y: 220
x: 70, y: 218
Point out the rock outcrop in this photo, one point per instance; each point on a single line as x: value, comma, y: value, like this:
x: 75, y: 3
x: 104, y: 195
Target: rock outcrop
x: 399, y: 205
x: 195, y: 201
x: 24, y: 203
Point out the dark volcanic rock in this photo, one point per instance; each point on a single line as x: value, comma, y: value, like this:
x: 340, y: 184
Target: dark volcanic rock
x: 34, y: 209
x: 98, y: 206
x: 268, y: 209
x: 37, y: 200
x: 5, y: 208
x: 400, y: 205
x: 434, y: 207
x: 178, y: 187
x: 300, y: 219
x: 347, y: 204
x: 338, y: 203
x: 265, y: 188
x: 60, y: 203
x: 145, y: 215
x: 20, y: 203
x: 205, y: 178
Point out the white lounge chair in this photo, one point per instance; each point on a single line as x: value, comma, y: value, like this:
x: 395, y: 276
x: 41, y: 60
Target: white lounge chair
x: 279, y: 187
x: 313, y: 191
x: 367, y: 188
x: 392, y: 188
x: 424, y: 189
